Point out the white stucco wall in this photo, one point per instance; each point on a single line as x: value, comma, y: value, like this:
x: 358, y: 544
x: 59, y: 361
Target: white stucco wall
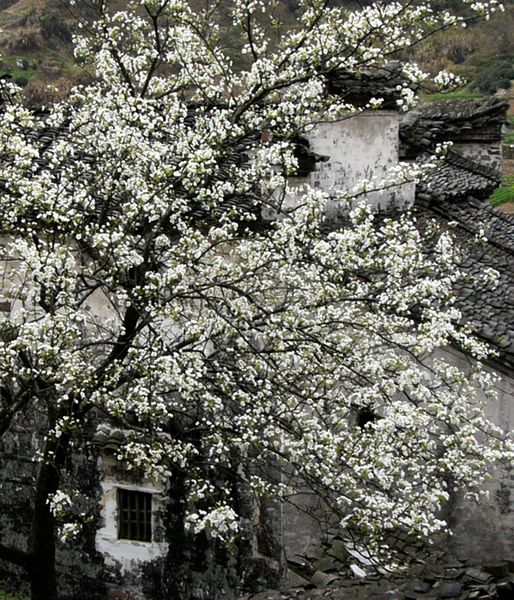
x: 127, y: 554
x: 364, y: 146
x: 485, y: 531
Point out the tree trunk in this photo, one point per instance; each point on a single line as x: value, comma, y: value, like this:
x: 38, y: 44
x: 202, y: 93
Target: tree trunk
x: 177, y: 582
x: 43, y: 581
x: 43, y: 577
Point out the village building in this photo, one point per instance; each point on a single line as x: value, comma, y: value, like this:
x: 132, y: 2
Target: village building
x: 128, y: 549
x: 454, y: 195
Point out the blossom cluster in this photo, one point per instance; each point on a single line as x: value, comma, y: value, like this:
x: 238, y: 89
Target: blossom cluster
x: 148, y: 290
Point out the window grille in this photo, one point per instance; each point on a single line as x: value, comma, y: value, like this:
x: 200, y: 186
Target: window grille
x: 135, y: 515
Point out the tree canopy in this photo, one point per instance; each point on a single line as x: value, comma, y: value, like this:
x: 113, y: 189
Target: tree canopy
x: 230, y: 347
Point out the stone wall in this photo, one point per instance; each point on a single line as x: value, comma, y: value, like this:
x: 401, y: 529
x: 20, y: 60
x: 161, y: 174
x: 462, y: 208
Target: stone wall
x: 79, y: 565
x: 17, y: 477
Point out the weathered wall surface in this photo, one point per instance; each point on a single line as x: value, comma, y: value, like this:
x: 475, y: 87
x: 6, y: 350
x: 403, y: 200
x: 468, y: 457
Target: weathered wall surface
x: 98, y: 566
x: 17, y: 476
x: 80, y: 566
x: 365, y: 146
x: 362, y: 147
x: 485, y: 531
x: 485, y: 153
x: 481, y: 533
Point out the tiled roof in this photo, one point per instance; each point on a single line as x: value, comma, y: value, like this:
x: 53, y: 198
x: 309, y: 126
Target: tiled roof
x: 457, y: 176
x: 451, y: 193
x: 246, y: 205
x: 385, y: 82
x: 455, y: 195
x: 452, y: 120
x: 489, y: 309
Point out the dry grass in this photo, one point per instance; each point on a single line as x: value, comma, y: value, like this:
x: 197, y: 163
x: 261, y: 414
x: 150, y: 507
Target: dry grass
x: 508, y: 208
x: 508, y: 167
x: 22, y: 7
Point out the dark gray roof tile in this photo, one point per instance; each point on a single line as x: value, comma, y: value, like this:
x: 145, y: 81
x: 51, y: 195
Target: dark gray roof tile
x: 457, y: 175
x: 452, y: 120
x: 489, y: 309
x: 383, y: 82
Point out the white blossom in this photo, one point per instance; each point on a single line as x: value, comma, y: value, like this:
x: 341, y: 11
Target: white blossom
x: 148, y: 291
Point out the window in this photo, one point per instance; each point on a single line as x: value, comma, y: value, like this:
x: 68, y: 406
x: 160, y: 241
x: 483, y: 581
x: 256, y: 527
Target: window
x: 119, y: 538
x: 134, y: 515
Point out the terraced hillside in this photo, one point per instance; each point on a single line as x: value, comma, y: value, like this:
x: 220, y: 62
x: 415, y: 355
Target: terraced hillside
x: 36, y: 46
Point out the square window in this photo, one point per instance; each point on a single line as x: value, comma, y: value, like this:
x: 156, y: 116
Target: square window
x: 134, y: 515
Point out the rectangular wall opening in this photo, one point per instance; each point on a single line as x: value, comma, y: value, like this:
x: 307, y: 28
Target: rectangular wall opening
x: 134, y: 515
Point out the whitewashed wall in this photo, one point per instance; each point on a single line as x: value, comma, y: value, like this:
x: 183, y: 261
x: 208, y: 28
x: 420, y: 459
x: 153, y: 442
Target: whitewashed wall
x: 365, y: 146
x: 485, y: 531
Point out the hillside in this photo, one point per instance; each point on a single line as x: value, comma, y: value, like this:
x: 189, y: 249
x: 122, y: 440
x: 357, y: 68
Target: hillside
x: 36, y: 45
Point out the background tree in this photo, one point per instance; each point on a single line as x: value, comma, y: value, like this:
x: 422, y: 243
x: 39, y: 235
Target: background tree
x: 230, y: 347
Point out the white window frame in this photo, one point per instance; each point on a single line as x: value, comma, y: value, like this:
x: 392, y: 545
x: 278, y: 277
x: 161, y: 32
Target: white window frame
x: 126, y: 551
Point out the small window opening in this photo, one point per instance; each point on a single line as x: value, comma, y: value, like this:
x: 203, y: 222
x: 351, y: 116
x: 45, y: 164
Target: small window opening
x: 135, y: 515
x: 365, y: 415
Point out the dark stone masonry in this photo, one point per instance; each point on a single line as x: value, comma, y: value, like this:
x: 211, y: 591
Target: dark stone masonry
x: 441, y: 578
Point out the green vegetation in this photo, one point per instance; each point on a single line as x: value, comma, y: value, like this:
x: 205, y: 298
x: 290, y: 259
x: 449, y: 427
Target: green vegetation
x: 18, y: 66
x: 52, y: 26
x: 462, y: 94
x: 6, y: 596
x: 21, y: 81
x: 505, y: 193
x: 482, y: 52
x: 494, y: 73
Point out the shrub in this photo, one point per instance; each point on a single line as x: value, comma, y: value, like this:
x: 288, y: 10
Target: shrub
x: 22, y: 81
x: 52, y: 26
x: 492, y: 75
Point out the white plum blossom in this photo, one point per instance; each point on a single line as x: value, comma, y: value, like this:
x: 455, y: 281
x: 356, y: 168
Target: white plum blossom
x: 447, y: 80
x: 59, y: 503
x: 221, y: 522
x: 68, y: 532
x: 148, y: 291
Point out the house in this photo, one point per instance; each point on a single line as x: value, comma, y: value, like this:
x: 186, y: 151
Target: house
x: 457, y: 196
x: 132, y: 545
x: 454, y: 196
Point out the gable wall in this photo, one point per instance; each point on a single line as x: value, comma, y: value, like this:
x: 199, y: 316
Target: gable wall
x: 485, y: 531
x: 487, y: 153
x: 364, y: 146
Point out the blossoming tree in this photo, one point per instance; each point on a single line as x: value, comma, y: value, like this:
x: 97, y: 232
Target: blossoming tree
x: 230, y: 346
